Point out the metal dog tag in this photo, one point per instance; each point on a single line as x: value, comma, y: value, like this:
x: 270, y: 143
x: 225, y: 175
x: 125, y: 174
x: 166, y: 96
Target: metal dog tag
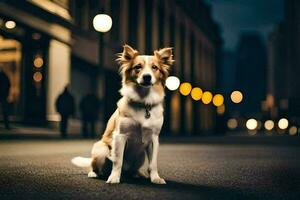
x: 147, y: 114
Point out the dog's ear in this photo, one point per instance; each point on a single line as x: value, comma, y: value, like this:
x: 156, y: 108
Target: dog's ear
x: 127, y: 55
x: 165, y: 56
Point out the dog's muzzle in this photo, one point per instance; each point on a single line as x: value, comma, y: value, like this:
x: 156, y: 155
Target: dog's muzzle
x: 146, y: 80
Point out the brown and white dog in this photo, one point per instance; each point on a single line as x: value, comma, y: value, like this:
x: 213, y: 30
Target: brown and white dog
x: 132, y: 131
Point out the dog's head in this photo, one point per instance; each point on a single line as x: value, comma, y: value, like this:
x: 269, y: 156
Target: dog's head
x: 145, y: 70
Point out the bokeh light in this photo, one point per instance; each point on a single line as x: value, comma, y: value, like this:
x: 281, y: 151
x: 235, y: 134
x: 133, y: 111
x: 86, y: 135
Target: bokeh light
x: 293, y: 130
x: 196, y: 93
x: 36, y: 36
x: 269, y: 125
x: 218, y: 100
x: 207, y: 97
x: 251, y: 124
x: 102, y: 23
x: 232, y: 123
x: 221, y: 109
x: 185, y: 88
x: 252, y: 132
x: 236, y: 97
x: 172, y: 83
x: 37, y: 76
x: 283, y: 123
x: 10, y: 24
x: 38, y: 62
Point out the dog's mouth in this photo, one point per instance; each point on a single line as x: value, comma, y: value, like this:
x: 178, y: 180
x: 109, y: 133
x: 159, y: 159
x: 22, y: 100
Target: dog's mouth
x: 146, y: 84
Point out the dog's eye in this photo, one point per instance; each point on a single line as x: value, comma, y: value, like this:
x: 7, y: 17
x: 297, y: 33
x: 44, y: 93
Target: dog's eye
x: 154, y: 67
x: 138, y: 67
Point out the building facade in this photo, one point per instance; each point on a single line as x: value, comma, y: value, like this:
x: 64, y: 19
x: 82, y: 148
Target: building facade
x: 292, y: 31
x: 284, y: 62
x: 62, y: 35
x: 251, y: 66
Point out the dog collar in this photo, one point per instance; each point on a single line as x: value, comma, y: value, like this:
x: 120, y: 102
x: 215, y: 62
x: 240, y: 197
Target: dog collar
x: 140, y: 105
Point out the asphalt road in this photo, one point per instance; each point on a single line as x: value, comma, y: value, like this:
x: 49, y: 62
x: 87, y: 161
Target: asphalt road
x: 36, y: 169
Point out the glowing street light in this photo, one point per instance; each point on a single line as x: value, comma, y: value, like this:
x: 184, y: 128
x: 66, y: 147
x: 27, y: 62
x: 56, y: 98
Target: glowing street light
x: 172, y: 83
x: 236, y: 96
x: 232, y: 123
x: 10, y: 24
x: 196, y: 93
x: 283, y: 123
x: 218, y: 100
x: 102, y: 23
x: 293, y: 131
x: 37, y: 76
x: 251, y: 124
x: 185, y: 88
x: 221, y: 109
x: 207, y: 97
x: 38, y: 62
x: 269, y: 125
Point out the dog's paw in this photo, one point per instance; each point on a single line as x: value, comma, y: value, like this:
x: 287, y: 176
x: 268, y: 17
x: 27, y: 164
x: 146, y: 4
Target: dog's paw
x: 142, y: 174
x: 113, y: 179
x: 92, y: 174
x: 158, y: 180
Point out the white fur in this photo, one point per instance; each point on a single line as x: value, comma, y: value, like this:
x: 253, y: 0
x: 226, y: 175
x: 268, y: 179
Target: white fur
x: 118, y: 146
x: 100, y: 150
x: 81, y: 161
x: 137, y: 140
x: 147, y: 70
x: 92, y: 174
x: 152, y: 98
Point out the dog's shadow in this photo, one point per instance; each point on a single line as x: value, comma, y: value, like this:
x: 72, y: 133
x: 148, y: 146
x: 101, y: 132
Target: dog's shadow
x: 193, y: 190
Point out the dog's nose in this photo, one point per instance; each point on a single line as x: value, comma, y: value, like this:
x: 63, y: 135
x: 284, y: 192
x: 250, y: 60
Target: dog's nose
x: 147, y: 78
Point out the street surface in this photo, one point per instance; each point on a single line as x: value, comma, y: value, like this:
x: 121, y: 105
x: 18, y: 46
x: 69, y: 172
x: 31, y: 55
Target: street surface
x: 41, y: 169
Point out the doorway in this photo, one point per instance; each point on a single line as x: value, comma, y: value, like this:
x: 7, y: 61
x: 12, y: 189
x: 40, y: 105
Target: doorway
x: 10, y: 61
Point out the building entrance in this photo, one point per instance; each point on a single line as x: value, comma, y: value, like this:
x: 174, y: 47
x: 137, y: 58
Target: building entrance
x: 24, y: 60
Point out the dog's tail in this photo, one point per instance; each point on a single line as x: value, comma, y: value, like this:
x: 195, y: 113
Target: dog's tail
x: 82, y: 162
x: 100, y: 152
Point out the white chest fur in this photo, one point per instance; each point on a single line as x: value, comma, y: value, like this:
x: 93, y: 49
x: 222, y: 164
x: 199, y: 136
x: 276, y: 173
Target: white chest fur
x: 136, y: 119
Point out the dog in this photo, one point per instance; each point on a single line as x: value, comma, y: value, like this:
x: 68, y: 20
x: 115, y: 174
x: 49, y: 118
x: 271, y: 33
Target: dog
x: 132, y: 132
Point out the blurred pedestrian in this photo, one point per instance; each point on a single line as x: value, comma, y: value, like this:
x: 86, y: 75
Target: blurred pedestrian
x: 4, y: 92
x: 65, y: 106
x: 89, y: 107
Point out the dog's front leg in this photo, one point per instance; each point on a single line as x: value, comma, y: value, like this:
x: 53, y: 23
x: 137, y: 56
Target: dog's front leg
x: 152, y: 152
x: 118, y: 146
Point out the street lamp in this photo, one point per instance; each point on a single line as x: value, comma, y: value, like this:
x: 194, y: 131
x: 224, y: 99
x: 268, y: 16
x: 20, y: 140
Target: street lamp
x: 102, y: 23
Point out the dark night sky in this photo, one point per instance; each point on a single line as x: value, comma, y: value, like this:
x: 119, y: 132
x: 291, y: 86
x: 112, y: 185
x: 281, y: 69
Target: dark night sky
x: 236, y: 16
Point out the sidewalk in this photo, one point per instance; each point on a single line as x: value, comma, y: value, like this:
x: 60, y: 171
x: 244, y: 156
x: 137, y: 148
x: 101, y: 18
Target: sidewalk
x: 20, y: 131
x: 23, y: 131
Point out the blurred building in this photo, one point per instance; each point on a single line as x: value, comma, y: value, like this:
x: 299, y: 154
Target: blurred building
x: 284, y: 62
x: 227, y: 75
x: 277, y: 73
x: 251, y: 66
x: 292, y: 31
x: 55, y: 44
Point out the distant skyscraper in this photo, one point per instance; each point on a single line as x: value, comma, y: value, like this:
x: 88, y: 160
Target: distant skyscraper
x: 292, y: 31
x: 251, y: 72
x: 284, y: 64
x: 277, y: 70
